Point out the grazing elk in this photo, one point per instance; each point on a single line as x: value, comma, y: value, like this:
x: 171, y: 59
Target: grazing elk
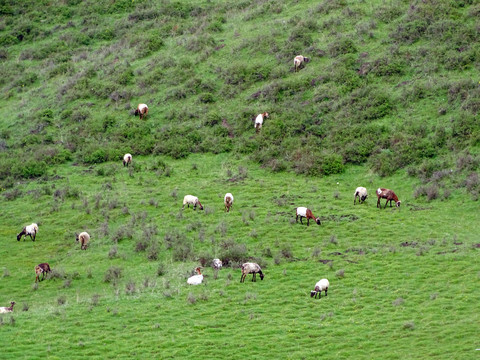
x: 30, y: 230
x: 142, y: 111
x: 228, y: 201
x: 259, y: 121
x: 41, y: 269
x: 387, y: 194
x: 320, y: 286
x: 251, y: 268
x: 7, y: 309
x: 361, y: 193
x: 299, y: 60
x: 303, y: 212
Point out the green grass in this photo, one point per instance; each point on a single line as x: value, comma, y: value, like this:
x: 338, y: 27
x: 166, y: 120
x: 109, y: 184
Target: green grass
x: 411, y: 68
x: 390, y: 99
x: 385, y: 300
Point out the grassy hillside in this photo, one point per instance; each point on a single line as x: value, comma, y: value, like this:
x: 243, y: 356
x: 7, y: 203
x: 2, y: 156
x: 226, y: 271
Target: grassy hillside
x: 389, y: 99
x: 390, y: 84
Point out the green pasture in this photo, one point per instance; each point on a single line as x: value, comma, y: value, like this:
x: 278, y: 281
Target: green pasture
x: 386, y: 300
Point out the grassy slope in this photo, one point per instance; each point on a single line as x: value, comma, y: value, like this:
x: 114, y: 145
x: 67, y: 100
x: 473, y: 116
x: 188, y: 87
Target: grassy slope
x: 392, y: 302
x: 381, y: 73
x: 386, y: 288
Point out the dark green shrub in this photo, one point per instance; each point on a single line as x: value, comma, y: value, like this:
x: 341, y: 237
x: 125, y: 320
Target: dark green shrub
x: 300, y: 36
x: 8, y: 39
x: 206, y: 98
x: 112, y: 274
x: 327, y: 6
x: 410, y: 31
x: 388, y: 67
x: 32, y: 169
x: 388, y: 12
x: 95, y: 157
x: 200, y: 43
x: 384, y: 163
x: 31, y: 139
x: 233, y: 252
x: 183, y: 250
x: 342, y: 46
x: 216, y: 25
x: 78, y: 115
x: 150, y: 45
x: 367, y: 103
x: 332, y: 163
x: 348, y: 79
x: 465, y: 126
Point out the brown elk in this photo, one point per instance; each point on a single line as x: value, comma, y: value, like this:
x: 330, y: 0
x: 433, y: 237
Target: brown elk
x: 387, y: 194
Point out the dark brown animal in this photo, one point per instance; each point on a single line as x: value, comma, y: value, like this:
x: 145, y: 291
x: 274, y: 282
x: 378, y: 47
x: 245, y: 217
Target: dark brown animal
x: 41, y: 269
x: 387, y: 194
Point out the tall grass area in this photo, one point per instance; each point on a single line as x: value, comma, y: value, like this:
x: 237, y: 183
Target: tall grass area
x: 403, y: 281
x: 392, y: 84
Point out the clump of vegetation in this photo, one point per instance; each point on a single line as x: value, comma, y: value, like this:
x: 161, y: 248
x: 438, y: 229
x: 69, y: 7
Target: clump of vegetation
x: 161, y: 269
x: 340, y: 273
x: 112, y: 275
x: 61, y: 300
x: 130, y: 287
x: 233, y: 253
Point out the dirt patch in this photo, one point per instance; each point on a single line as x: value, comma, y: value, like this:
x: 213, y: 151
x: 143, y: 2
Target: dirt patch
x: 284, y: 199
x: 476, y: 245
x: 445, y: 252
x: 335, y: 253
x: 417, y: 208
x: 325, y: 261
x: 227, y: 126
x: 357, y: 251
x: 406, y: 243
x: 338, y: 218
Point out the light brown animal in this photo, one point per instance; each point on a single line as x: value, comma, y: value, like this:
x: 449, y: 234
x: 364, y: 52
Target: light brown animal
x: 299, y: 61
x: 83, y: 238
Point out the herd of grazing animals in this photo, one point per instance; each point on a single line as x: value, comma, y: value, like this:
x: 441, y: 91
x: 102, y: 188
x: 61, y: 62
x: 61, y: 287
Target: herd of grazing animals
x: 246, y: 268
